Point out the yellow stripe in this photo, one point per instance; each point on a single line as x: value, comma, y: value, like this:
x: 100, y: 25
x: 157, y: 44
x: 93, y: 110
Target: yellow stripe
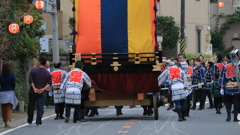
x: 182, y: 46
x: 139, y: 26
x: 122, y: 131
x: 76, y: 4
x: 126, y: 126
x: 133, y: 119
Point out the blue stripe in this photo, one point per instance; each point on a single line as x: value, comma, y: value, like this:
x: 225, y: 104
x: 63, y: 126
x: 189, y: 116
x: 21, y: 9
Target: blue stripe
x: 72, y: 94
x: 114, y: 26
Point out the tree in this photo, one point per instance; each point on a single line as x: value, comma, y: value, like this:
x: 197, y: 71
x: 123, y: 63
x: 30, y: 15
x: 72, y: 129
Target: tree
x: 23, y: 45
x: 4, y: 21
x: 167, y: 28
x: 218, y: 33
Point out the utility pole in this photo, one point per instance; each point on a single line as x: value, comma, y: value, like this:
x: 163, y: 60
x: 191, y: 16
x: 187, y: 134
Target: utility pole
x: 182, y: 42
x: 55, y: 47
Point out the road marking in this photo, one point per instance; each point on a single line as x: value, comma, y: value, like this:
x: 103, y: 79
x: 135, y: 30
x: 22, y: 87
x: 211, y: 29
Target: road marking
x: 133, y: 119
x: 145, y: 128
x: 10, y: 130
x: 174, y: 127
x: 130, y: 123
x: 122, y: 131
x: 239, y: 119
x: 126, y: 126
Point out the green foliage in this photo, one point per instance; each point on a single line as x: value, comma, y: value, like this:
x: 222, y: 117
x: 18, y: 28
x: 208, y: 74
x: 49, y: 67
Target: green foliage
x: 68, y: 38
x: 71, y: 23
x: 195, y: 55
x: 226, y: 51
x: 219, y: 31
x: 230, y: 19
x: 21, y: 89
x: 166, y: 27
x: 23, y: 45
x: 217, y: 40
x: 61, y: 50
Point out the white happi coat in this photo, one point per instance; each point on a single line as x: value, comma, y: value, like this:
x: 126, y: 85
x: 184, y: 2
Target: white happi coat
x: 58, y: 76
x: 73, y: 83
x: 177, y: 80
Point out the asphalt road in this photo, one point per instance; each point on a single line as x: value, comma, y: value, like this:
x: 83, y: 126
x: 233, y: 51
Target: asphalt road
x: 204, y: 122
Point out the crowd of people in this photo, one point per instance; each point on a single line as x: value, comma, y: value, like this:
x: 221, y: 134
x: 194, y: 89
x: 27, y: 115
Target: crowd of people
x: 186, y: 82
x: 191, y: 81
x: 66, y: 89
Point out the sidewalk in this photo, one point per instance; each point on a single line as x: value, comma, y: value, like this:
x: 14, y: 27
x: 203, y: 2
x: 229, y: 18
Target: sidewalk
x: 21, y: 118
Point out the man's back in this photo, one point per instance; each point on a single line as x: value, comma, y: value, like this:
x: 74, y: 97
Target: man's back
x: 40, y: 77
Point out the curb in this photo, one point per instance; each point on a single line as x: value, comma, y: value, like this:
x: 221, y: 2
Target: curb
x: 21, y: 118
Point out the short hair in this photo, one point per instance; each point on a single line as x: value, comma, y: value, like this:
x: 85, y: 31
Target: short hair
x: 187, y: 62
x: 210, y: 63
x: 6, y: 68
x: 184, y: 56
x: 219, y: 56
x: 178, y: 64
x: 216, y: 75
x: 197, y: 59
x: 228, y: 56
x: 79, y: 64
x: 200, y: 56
x: 42, y: 60
x: 57, y: 64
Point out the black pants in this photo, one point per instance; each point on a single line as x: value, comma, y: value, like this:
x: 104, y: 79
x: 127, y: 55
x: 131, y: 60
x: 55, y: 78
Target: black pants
x: 118, y: 110
x: 76, y: 115
x: 198, y: 96
x: 59, y: 109
x: 218, y: 103
x: 229, y: 100
x: 47, y: 99
x: 40, y: 99
x: 93, y: 111
x: 169, y: 96
x: 188, y: 105
x: 208, y: 94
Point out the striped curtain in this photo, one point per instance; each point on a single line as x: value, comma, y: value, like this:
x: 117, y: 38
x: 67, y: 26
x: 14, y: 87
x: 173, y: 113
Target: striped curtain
x: 115, y: 26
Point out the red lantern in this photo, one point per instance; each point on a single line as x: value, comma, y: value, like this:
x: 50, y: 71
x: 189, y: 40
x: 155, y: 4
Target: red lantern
x: 14, y: 28
x: 39, y: 4
x: 28, y: 19
x: 220, y: 4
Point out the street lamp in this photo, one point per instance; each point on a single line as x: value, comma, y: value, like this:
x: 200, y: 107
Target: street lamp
x: 220, y: 4
x: 39, y: 4
x: 28, y: 19
x: 14, y: 28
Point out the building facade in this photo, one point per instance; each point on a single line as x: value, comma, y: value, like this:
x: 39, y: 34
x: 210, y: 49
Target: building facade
x: 232, y: 35
x: 197, y: 24
x: 64, y: 12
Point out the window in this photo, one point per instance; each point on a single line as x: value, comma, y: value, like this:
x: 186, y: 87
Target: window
x: 213, y: 1
x: 58, y: 5
x: 236, y: 3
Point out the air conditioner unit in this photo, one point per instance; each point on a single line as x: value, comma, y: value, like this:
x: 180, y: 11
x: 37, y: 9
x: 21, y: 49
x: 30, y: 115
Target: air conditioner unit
x: 44, y: 44
x: 209, y: 49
